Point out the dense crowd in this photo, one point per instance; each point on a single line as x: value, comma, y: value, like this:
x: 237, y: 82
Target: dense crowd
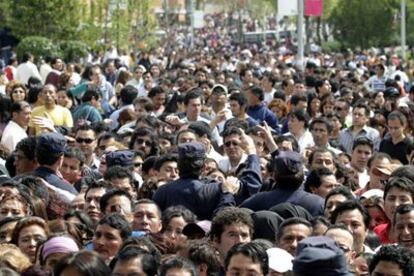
x: 217, y: 160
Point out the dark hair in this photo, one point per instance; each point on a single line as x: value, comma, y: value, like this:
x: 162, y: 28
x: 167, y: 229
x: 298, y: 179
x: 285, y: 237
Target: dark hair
x: 228, y: 216
x: 201, y: 129
x: 45, y: 157
x: 301, y: 115
x: 18, y: 106
x: 397, y: 115
x: 93, y: 184
x: 149, y: 262
x: 295, y: 99
x: 364, y: 106
x: 85, y: 225
x: 117, y: 222
x: 252, y: 250
x: 240, y: 99
x: 194, y: 94
x: 257, y: 91
x: 401, y: 256
x: 119, y: 172
x: 75, y: 153
x: 289, y: 138
x: 103, y: 203
x: 376, y: 156
x: 149, y: 201
x: 314, y: 179
x: 128, y: 94
x: 341, y: 190
x: 231, y: 131
x: 146, y: 131
x: 363, y: 141
x: 155, y: 91
x: 92, y: 92
x: 292, y: 221
x: 86, y: 263
x: 177, y: 262
x: 322, y: 120
x: 177, y: 211
x: 27, y: 146
x: 350, y: 205
x: 402, y: 183
x: 404, y: 171
x: 202, y: 252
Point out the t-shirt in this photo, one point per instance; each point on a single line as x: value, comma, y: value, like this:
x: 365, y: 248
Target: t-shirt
x: 60, y: 116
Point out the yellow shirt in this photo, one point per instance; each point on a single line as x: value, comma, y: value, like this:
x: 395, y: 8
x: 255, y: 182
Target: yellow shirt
x: 60, y: 116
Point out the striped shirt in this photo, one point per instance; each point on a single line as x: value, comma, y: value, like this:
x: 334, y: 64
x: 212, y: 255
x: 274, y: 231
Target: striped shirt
x: 346, y: 138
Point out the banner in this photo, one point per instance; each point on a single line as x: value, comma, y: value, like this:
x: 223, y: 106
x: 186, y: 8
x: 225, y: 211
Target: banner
x: 287, y: 8
x: 313, y: 7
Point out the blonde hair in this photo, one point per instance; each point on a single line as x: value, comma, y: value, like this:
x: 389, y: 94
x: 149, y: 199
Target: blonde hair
x: 12, y: 257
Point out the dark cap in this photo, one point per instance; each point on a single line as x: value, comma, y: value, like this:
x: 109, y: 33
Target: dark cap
x: 319, y: 256
x: 194, y: 150
x: 391, y: 92
x: 288, y: 163
x: 52, y: 142
x: 122, y: 158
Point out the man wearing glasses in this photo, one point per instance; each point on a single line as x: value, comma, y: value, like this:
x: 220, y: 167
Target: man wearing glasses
x: 86, y: 142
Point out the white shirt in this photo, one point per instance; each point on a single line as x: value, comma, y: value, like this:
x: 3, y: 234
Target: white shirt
x: 226, y: 167
x: 12, y: 134
x: 305, y: 141
x: 45, y: 69
x: 25, y: 71
x: 115, y: 115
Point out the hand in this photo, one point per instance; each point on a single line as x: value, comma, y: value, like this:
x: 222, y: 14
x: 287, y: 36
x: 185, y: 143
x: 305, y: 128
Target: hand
x: 247, y: 143
x: 45, y: 123
x: 231, y: 185
x: 266, y: 133
x: 174, y: 120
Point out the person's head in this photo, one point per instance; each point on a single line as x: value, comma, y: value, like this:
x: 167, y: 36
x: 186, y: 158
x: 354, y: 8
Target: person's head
x: 86, y: 139
x: 342, y: 108
x: 402, y: 225
x: 396, y: 124
x: 174, y: 219
x: 299, y: 102
x: 362, y: 150
x: 27, y: 233
x: 110, y: 232
x: 54, y: 249
x: 134, y: 261
x: 360, y: 115
x: 166, y: 166
x: 204, y: 256
x: 158, y: 96
x: 83, y: 263
x: 375, y: 207
x: 128, y: 94
x: 392, y: 260
x: 186, y: 136
x: 18, y: 92
x: 93, y: 196
x: 379, y: 170
x: 344, y: 238
x: 238, y: 104
x: 191, y: 157
x: 117, y: 201
x: 334, y: 197
x: 288, y: 170
x: 322, y: 158
x: 321, y: 182
x: 356, y: 218
x: 24, y: 155
x: 291, y: 232
x: 144, y: 139
x: 245, y: 259
x: 287, y: 142
x: 193, y: 102
x: 6, y: 228
x: 397, y: 191
x: 323, y: 87
x: 321, y: 130
x: 177, y: 266
x: 15, y: 205
x: 72, y: 165
x: 57, y: 63
x: 48, y: 95
x: 232, y: 140
x: 229, y: 227
x: 298, y: 121
x: 147, y: 216
x: 255, y: 95
x: 92, y: 95
x: 121, y: 178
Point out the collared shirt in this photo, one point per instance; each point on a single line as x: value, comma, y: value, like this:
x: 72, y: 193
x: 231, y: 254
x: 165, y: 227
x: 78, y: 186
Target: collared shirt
x: 12, y: 134
x: 346, y: 138
x: 305, y: 141
x: 225, y: 165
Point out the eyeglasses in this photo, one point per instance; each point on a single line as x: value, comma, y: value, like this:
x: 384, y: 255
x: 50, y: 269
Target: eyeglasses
x: 140, y: 141
x: 231, y: 143
x: 84, y: 140
x: 137, y: 164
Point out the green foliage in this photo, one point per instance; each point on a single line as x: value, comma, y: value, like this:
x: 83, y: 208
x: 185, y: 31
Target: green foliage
x: 73, y: 50
x: 364, y: 23
x: 331, y: 46
x: 38, y: 46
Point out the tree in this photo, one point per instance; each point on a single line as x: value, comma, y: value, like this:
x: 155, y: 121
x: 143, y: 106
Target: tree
x: 364, y: 23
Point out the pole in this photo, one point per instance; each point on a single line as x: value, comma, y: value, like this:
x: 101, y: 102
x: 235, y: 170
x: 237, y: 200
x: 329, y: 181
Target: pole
x: 300, y: 54
x: 191, y: 10
x: 403, y: 29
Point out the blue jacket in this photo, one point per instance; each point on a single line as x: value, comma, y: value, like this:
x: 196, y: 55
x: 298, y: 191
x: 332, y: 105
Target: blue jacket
x: 261, y: 113
x: 53, y: 179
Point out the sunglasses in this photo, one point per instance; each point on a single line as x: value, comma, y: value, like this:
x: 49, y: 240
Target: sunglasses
x: 230, y: 143
x: 84, y: 140
x: 140, y: 141
x: 137, y: 165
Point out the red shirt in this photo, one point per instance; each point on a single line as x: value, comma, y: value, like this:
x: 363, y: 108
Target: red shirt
x: 383, y: 232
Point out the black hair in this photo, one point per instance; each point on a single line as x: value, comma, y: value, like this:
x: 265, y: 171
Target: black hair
x: 18, y: 106
x: 201, y: 129
x: 292, y: 221
x: 93, y: 184
x: 177, y: 262
x: 341, y: 190
x: 194, y: 94
x: 289, y: 138
x: 252, y: 250
x: 227, y: 217
x: 231, y: 131
x: 402, y: 183
x: 177, y: 211
x: 155, y: 91
x: 148, y: 262
x: 363, y: 141
x: 103, y: 203
x: 401, y: 256
x: 163, y: 159
x: 202, y: 252
x: 404, y: 171
x: 322, y: 120
x: 314, y: 179
x: 239, y: 98
x: 75, y: 153
x: 128, y: 94
x: 301, y: 115
x: 397, y: 115
x: 92, y: 92
x: 117, y: 222
x: 27, y: 146
x: 295, y: 99
x: 257, y: 91
x: 350, y: 205
x: 87, y: 263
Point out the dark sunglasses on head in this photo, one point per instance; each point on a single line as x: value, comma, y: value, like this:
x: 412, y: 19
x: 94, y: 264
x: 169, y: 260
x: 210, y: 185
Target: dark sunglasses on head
x: 85, y: 140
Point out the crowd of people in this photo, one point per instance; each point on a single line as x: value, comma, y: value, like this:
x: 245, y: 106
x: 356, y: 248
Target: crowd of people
x: 218, y: 160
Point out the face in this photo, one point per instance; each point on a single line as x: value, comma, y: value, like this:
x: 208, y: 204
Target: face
x: 168, y: 171
x: 186, y: 137
x: 193, y: 108
x: 361, y: 266
x: 325, y: 88
x: 379, y: 99
x: 165, y: 145
x: 12, y: 208
x: 6, y: 231
x: 78, y: 203
x: 86, y: 141
x: 103, y: 144
x: 377, y: 217
x: 58, y: 65
x: 404, y: 229
x: 387, y: 268
x: 52, y: 260
x: 106, y: 241
x: 377, y: 178
x: 323, y: 160
x: 344, y: 239
x: 28, y: 239
x: 71, y: 170
x: 359, y: 118
x: 49, y: 94
x: 159, y: 100
x: 394, y: 198
x: 22, y: 163
x: 315, y: 105
x: 395, y: 128
x: 124, y: 184
x: 120, y: 205
x: 22, y: 118
x: 92, y: 204
x: 354, y: 220
x: 146, y: 218
x: 299, y: 88
x: 143, y: 143
x: 242, y: 265
x: 232, y: 147
x: 231, y: 235
x: 360, y: 156
x: 292, y: 235
x: 295, y: 126
x: 62, y: 98
x: 18, y: 94
x: 328, y: 183
x: 174, y: 229
x: 320, y: 134
x: 331, y: 204
x: 128, y: 268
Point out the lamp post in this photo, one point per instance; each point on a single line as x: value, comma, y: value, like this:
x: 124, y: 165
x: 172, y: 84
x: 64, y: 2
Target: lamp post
x: 403, y: 29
